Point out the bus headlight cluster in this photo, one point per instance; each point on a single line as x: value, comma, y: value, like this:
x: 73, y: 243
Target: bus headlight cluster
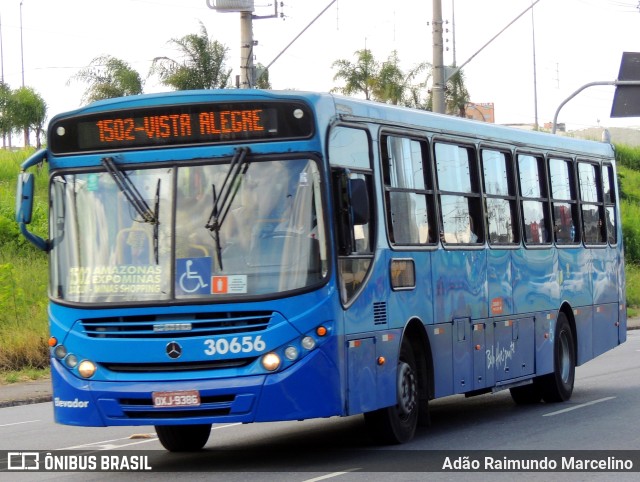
x: 86, y: 368
x: 294, y: 351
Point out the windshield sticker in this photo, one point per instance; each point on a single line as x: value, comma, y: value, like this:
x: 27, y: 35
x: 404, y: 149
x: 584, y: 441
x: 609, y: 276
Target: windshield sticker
x: 115, y: 279
x: 193, y: 276
x: 233, y: 284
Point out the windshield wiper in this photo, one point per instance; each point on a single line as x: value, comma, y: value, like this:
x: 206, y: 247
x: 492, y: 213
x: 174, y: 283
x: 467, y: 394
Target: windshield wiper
x: 129, y: 190
x: 136, y: 200
x: 156, y: 215
x: 223, y: 200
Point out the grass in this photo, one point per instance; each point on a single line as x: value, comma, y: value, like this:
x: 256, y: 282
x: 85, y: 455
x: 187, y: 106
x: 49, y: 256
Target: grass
x: 24, y: 375
x: 23, y: 276
x: 24, y: 353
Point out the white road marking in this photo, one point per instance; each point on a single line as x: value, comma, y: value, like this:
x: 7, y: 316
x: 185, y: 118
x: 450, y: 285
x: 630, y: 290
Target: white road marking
x: 332, y: 475
x: 19, y: 423
x: 575, y: 407
x: 115, y: 445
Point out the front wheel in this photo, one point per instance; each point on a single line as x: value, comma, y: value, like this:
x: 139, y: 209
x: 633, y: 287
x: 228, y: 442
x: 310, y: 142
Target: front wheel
x: 558, y: 385
x: 397, y: 424
x: 183, y: 438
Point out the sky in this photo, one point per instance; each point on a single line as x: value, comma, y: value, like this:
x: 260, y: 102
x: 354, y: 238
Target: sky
x: 576, y: 42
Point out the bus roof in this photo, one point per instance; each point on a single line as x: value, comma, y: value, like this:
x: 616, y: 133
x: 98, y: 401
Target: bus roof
x: 328, y: 107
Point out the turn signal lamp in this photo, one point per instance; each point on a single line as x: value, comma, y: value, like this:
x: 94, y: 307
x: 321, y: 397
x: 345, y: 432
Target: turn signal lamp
x: 321, y: 331
x: 53, y: 341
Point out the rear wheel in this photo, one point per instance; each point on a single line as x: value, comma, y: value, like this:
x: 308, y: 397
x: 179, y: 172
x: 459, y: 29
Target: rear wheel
x: 558, y: 386
x: 183, y: 438
x: 397, y: 424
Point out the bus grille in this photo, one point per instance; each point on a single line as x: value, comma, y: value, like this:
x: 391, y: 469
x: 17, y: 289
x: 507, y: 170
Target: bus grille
x: 176, y: 326
x: 176, y: 367
x: 210, y: 406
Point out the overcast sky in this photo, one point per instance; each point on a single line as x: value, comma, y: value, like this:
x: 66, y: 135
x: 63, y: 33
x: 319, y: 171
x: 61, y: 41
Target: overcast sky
x: 576, y: 42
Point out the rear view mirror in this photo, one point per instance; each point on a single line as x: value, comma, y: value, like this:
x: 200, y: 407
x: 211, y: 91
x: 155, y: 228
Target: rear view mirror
x: 24, y: 198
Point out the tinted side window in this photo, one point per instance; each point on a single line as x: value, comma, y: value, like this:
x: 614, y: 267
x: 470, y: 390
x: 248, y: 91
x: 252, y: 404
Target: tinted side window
x: 564, y: 202
x: 408, y: 191
x: 500, y: 197
x: 593, y: 225
x: 459, y: 194
x: 533, y: 191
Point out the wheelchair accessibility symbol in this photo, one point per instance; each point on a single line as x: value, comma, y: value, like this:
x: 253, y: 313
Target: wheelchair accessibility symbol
x: 193, y: 276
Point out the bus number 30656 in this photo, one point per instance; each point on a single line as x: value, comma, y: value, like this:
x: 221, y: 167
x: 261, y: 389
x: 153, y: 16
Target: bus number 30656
x: 246, y: 344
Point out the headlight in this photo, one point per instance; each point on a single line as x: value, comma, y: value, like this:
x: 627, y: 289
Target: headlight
x: 86, y: 368
x: 291, y: 353
x: 271, y: 361
x: 308, y: 343
x: 60, y: 352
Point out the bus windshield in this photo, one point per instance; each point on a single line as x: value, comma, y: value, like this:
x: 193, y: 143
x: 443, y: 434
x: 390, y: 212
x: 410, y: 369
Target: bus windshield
x: 128, y: 235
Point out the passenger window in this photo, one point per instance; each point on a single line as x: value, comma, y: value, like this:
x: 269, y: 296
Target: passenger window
x: 610, y: 203
x: 459, y: 193
x: 564, y: 202
x: 408, y: 191
x: 535, y: 217
x: 500, y: 197
x: 593, y: 217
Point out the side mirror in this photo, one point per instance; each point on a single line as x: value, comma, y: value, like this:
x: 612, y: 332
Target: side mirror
x: 359, y: 198
x: 24, y: 198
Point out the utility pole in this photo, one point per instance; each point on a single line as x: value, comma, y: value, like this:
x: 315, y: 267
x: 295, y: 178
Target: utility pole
x: 247, y: 70
x: 21, y: 45
x: 247, y: 77
x: 535, y: 76
x: 437, y: 90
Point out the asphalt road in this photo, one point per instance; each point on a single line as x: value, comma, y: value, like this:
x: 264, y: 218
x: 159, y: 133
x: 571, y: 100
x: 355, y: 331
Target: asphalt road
x: 602, y: 415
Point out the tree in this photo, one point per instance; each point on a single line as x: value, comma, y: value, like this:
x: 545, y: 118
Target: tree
x: 108, y: 77
x: 385, y: 82
x: 28, y: 110
x: 262, y: 78
x: 361, y: 76
x: 394, y: 86
x: 203, y: 65
x: 456, y: 96
x: 6, y: 122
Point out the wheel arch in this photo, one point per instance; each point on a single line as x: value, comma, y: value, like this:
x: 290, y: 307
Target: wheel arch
x: 416, y: 334
x: 568, y: 312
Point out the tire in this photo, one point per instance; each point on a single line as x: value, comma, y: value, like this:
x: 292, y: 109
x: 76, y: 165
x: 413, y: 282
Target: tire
x: 397, y: 424
x: 183, y: 438
x: 558, y: 385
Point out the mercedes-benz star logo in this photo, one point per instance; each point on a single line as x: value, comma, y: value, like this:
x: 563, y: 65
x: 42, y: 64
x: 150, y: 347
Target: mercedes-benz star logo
x: 174, y: 350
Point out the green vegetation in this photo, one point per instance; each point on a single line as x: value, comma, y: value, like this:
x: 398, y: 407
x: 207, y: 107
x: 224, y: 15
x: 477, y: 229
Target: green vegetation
x: 23, y: 275
x: 23, y: 269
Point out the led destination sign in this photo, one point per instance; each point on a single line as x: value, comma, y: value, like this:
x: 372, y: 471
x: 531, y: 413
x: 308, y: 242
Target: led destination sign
x: 180, y: 125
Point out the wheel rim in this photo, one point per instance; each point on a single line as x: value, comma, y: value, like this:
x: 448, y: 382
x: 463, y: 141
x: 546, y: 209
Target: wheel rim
x: 407, y: 389
x: 565, y: 358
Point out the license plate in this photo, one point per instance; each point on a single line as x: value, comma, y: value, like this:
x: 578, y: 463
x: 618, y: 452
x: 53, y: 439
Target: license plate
x: 184, y: 398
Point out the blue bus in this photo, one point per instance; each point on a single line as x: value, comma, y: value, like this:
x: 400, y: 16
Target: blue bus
x: 249, y: 256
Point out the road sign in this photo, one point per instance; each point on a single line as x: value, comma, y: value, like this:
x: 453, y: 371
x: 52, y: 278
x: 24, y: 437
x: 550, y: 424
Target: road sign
x: 626, y: 100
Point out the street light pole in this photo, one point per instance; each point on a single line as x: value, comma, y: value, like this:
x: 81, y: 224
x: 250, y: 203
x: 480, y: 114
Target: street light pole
x: 21, y: 44
x: 437, y: 89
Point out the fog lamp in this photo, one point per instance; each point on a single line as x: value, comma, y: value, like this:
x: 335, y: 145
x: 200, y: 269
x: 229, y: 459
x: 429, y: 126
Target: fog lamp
x: 271, y: 361
x: 86, y: 369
